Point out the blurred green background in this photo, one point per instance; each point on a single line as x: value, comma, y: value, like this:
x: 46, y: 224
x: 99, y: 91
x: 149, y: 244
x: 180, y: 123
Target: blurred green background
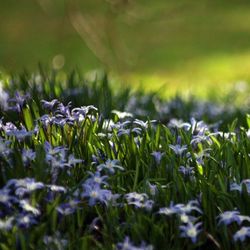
x: 177, y: 45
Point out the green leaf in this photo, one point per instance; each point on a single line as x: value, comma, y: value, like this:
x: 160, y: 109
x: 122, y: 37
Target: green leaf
x: 248, y: 120
x: 28, y: 118
x: 200, y: 169
x: 233, y: 125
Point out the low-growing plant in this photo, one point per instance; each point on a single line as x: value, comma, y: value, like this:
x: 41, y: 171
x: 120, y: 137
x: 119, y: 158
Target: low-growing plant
x: 86, y: 166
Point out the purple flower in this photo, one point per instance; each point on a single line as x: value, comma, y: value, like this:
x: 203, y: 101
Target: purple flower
x: 228, y: 217
x: 168, y: 210
x: 128, y: 131
x: 186, y: 171
x: 238, y: 187
x: 198, y: 128
x: 157, y: 156
x: 28, y: 155
x: 184, y: 218
x: 235, y: 186
x: 246, y: 182
x: 190, y: 231
x: 68, y: 208
x: 110, y: 165
x: 19, y: 101
x: 55, y: 242
x: 174, y: 123
x: 134, y: 196
x: 181, y: 208
x: 6, y: 224
x: 64, y: 110
x: 72, y: 161
x: 55, y: 188
x: 50, y: 105
x: 26, y: 220
x: 242, y: 234
x: 188, y: 208
x: 152, y: 188
x: 128, y: 245
x: 79, y: 114
x: 96, y: 179
x: 47, y: 120
x: 4, y: 148
x: 24, y: 186
x: 122, y: 115
x: 139, y: 200
x: 178, y: 149
x: 6, y: 198
x: 19, y: 134
x: 109, y: 124
x: 26, y: 207
x: 142, y: 123
x: 56, y: 152
x: 96, y: 194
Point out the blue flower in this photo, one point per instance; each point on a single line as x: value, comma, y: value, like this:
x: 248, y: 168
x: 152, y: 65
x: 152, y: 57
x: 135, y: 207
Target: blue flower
x: 174, y: 123
x: 24, y: 186
x: 128, y: 245
x: 122, y: 115
x: 47, y: 120
x: 72, y: 161
x: 143, y: 124
x: 26, y: 220
x: 55, y: 188
x: 55, y: 241
x: 20, y: 134
x: 19, y: 101
x: 184, y: 218
x: 6, y: 198
x: 6, y: 224
x: 28, y: 155
x: 135, y: 197
x: 189, y: 207
x: 181, y: 209
x: 198, y: 128
x: 26, y: 207
x: 235, y: 186
x: 68, y: 208
x: 64, y: 110
x: 54, y: 154
x: 228, y: 217
x: 191, y: 231
x: 157, y: 156
x: 110, y: 165
x: 238, y: 187
x: 152, y: 188
x: 5, y: 148
x: 128, y: 131
x: 242, y: 234
x: 50, y: 105
x: 80, y: 114
x: 96, y: 194
x: 168, y: 210
x: 186, y: 171
x: 96, y: 179
x: 178, y: 149
x: 139, y: 200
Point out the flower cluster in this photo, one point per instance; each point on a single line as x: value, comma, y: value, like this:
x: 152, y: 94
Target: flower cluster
x: 188, y: 227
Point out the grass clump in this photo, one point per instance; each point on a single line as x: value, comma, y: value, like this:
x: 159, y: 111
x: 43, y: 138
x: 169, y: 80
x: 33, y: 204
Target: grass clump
x: 86, y: 167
